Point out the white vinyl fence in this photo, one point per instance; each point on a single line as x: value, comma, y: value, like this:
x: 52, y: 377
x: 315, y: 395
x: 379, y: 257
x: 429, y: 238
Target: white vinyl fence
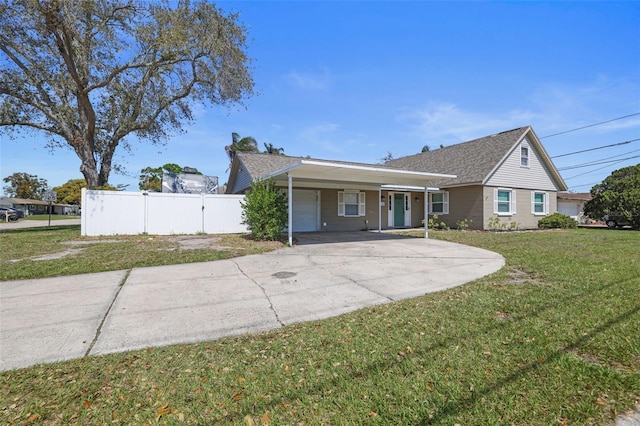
x: 155, y: 213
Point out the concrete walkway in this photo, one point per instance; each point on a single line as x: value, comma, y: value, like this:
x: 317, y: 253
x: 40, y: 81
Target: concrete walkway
x: 325, y: 275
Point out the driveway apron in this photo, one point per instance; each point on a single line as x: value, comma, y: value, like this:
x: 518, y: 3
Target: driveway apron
x: 323, y: 275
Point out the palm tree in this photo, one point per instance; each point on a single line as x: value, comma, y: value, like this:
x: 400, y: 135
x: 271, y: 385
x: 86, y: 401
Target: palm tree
x: 246, y: 144
x: 270, y: 149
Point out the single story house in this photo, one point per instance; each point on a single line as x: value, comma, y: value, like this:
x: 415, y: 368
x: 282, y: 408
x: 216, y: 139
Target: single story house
x: 30, y: 207
x: 508, y: 176
x: 572, y: 204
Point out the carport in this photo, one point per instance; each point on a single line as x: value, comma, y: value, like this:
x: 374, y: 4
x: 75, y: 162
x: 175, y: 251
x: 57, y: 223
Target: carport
x: 331, y: 175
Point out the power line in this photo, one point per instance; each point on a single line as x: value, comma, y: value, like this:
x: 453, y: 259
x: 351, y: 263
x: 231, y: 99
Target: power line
x: 600, y: 161
x: 591, y: 125
x: 600, y: 168
x: 594, y: 149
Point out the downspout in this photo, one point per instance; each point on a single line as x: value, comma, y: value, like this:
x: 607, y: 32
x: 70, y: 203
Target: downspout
x: 290, y: 201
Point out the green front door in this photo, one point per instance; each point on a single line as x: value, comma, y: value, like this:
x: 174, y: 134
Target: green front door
x: 398, y: 209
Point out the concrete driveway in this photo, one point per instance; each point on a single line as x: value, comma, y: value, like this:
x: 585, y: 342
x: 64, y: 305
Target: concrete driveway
x: 325, y: 274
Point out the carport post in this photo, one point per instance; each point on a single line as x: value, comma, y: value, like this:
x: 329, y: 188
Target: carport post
x: 426, y: 210
x: 290, y: 201
x: 380, y: 209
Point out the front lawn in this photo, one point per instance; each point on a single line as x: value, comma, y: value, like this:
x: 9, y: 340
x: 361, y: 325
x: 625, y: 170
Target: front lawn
x: 552, y: 339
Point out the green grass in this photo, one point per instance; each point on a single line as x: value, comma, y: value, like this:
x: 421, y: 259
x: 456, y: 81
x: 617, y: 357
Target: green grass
x: 22, y: 247
x: 53, y: 217
x: 550, y: 339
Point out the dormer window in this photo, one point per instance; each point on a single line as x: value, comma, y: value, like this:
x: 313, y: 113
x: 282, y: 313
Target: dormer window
x: 524, y: 156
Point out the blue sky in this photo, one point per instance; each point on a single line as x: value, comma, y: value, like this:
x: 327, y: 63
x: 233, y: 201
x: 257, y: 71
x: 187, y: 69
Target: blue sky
x: 355, y: 80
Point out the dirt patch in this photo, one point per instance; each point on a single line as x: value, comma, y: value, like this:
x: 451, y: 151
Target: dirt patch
x: 190, y: 242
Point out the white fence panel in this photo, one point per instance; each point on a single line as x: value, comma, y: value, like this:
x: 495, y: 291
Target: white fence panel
x: 174, y: 213
x: 112, y: 213
x: 132, y: 213
x: 223, y: 214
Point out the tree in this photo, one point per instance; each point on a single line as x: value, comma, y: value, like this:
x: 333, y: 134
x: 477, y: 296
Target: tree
x: 151, y: 177
x: 91, y: 73
x: 617, y: 197
x: 24, y: 185
x: 386, y: 158
x: 264, y: 210
x: 246, y: 144
x: 70, y: 192
x: 270, y: 149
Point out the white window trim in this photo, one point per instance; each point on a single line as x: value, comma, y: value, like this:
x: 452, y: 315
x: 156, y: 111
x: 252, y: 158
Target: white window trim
x: 545, y: 203
x: 512, y: 201
x: 528, y: 156
x: 361, y: 203
x: 445, y: 202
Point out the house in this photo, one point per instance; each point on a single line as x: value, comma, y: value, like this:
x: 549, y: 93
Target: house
x: 338, y: 195
x: 503, y: 180
x: 572, y: 204
x: 31, y: 207
x: 508, y: 176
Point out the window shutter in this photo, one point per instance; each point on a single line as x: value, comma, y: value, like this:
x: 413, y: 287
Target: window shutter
x: 445, y: 202
x: 495, y: 201
x: 513, y: 201
x: 533, y: 202
x: 340, y: 203
x: 546, y: 203
x: 361, y: 204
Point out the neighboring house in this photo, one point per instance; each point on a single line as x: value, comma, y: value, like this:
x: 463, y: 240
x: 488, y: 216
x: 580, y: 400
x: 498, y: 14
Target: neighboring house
x: 508, y: 176
x: 572, y: 204
x: 30, y: 207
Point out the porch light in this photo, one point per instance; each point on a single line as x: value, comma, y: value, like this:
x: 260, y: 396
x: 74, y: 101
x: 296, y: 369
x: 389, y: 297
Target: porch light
x: 417, y: 199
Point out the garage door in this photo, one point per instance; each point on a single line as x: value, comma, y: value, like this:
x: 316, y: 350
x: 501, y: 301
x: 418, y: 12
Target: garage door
x: 306, y: 214
x: 568, y: 209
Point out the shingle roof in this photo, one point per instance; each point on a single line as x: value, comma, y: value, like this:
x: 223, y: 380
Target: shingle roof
x: 578, y: 196
x: 471, y: 161
x: 259, y: 164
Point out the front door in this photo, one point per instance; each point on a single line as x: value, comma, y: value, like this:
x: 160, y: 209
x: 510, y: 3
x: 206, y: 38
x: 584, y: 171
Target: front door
x: 398, y: 210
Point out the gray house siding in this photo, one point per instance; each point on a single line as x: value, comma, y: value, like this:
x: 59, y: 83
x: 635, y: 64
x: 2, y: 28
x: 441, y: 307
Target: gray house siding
x: 523, y: 218
x: 464, y: 203
x: 329, y: 213
x: 511, y: 174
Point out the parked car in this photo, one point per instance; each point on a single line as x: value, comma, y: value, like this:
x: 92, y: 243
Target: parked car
x: 615, y: 221
x: 19, y: 212
x: 8, y: 213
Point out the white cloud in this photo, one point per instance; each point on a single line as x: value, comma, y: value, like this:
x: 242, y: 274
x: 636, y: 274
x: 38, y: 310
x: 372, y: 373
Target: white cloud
x: 309, y: 81
x: 446, y: 123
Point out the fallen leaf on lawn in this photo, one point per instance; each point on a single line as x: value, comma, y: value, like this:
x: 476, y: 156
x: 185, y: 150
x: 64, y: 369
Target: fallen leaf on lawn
x: 163, y: 410
x: 33, y: 417
x: 241, y: 379
x: 237, y: 396
x: 373, y: 414
x: 265, y: 418
x: 248, y: 420
x: 87, y: 403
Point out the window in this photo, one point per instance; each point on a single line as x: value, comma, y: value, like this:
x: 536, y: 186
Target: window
x: 524, y: 156
x: 504, y: 201
x: 539, y: 203
x: 439, y: 202
x: 351, y: 203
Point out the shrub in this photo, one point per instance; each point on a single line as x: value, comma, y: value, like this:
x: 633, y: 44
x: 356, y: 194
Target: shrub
x: 264, y: 210
x: 434, y: 224
x: 557, y: 220
x: 464, y: 224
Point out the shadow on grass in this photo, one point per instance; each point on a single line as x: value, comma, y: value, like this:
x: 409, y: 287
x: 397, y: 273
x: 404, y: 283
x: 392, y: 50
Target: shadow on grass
x: 460, y: 404
x: 40, y: 229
